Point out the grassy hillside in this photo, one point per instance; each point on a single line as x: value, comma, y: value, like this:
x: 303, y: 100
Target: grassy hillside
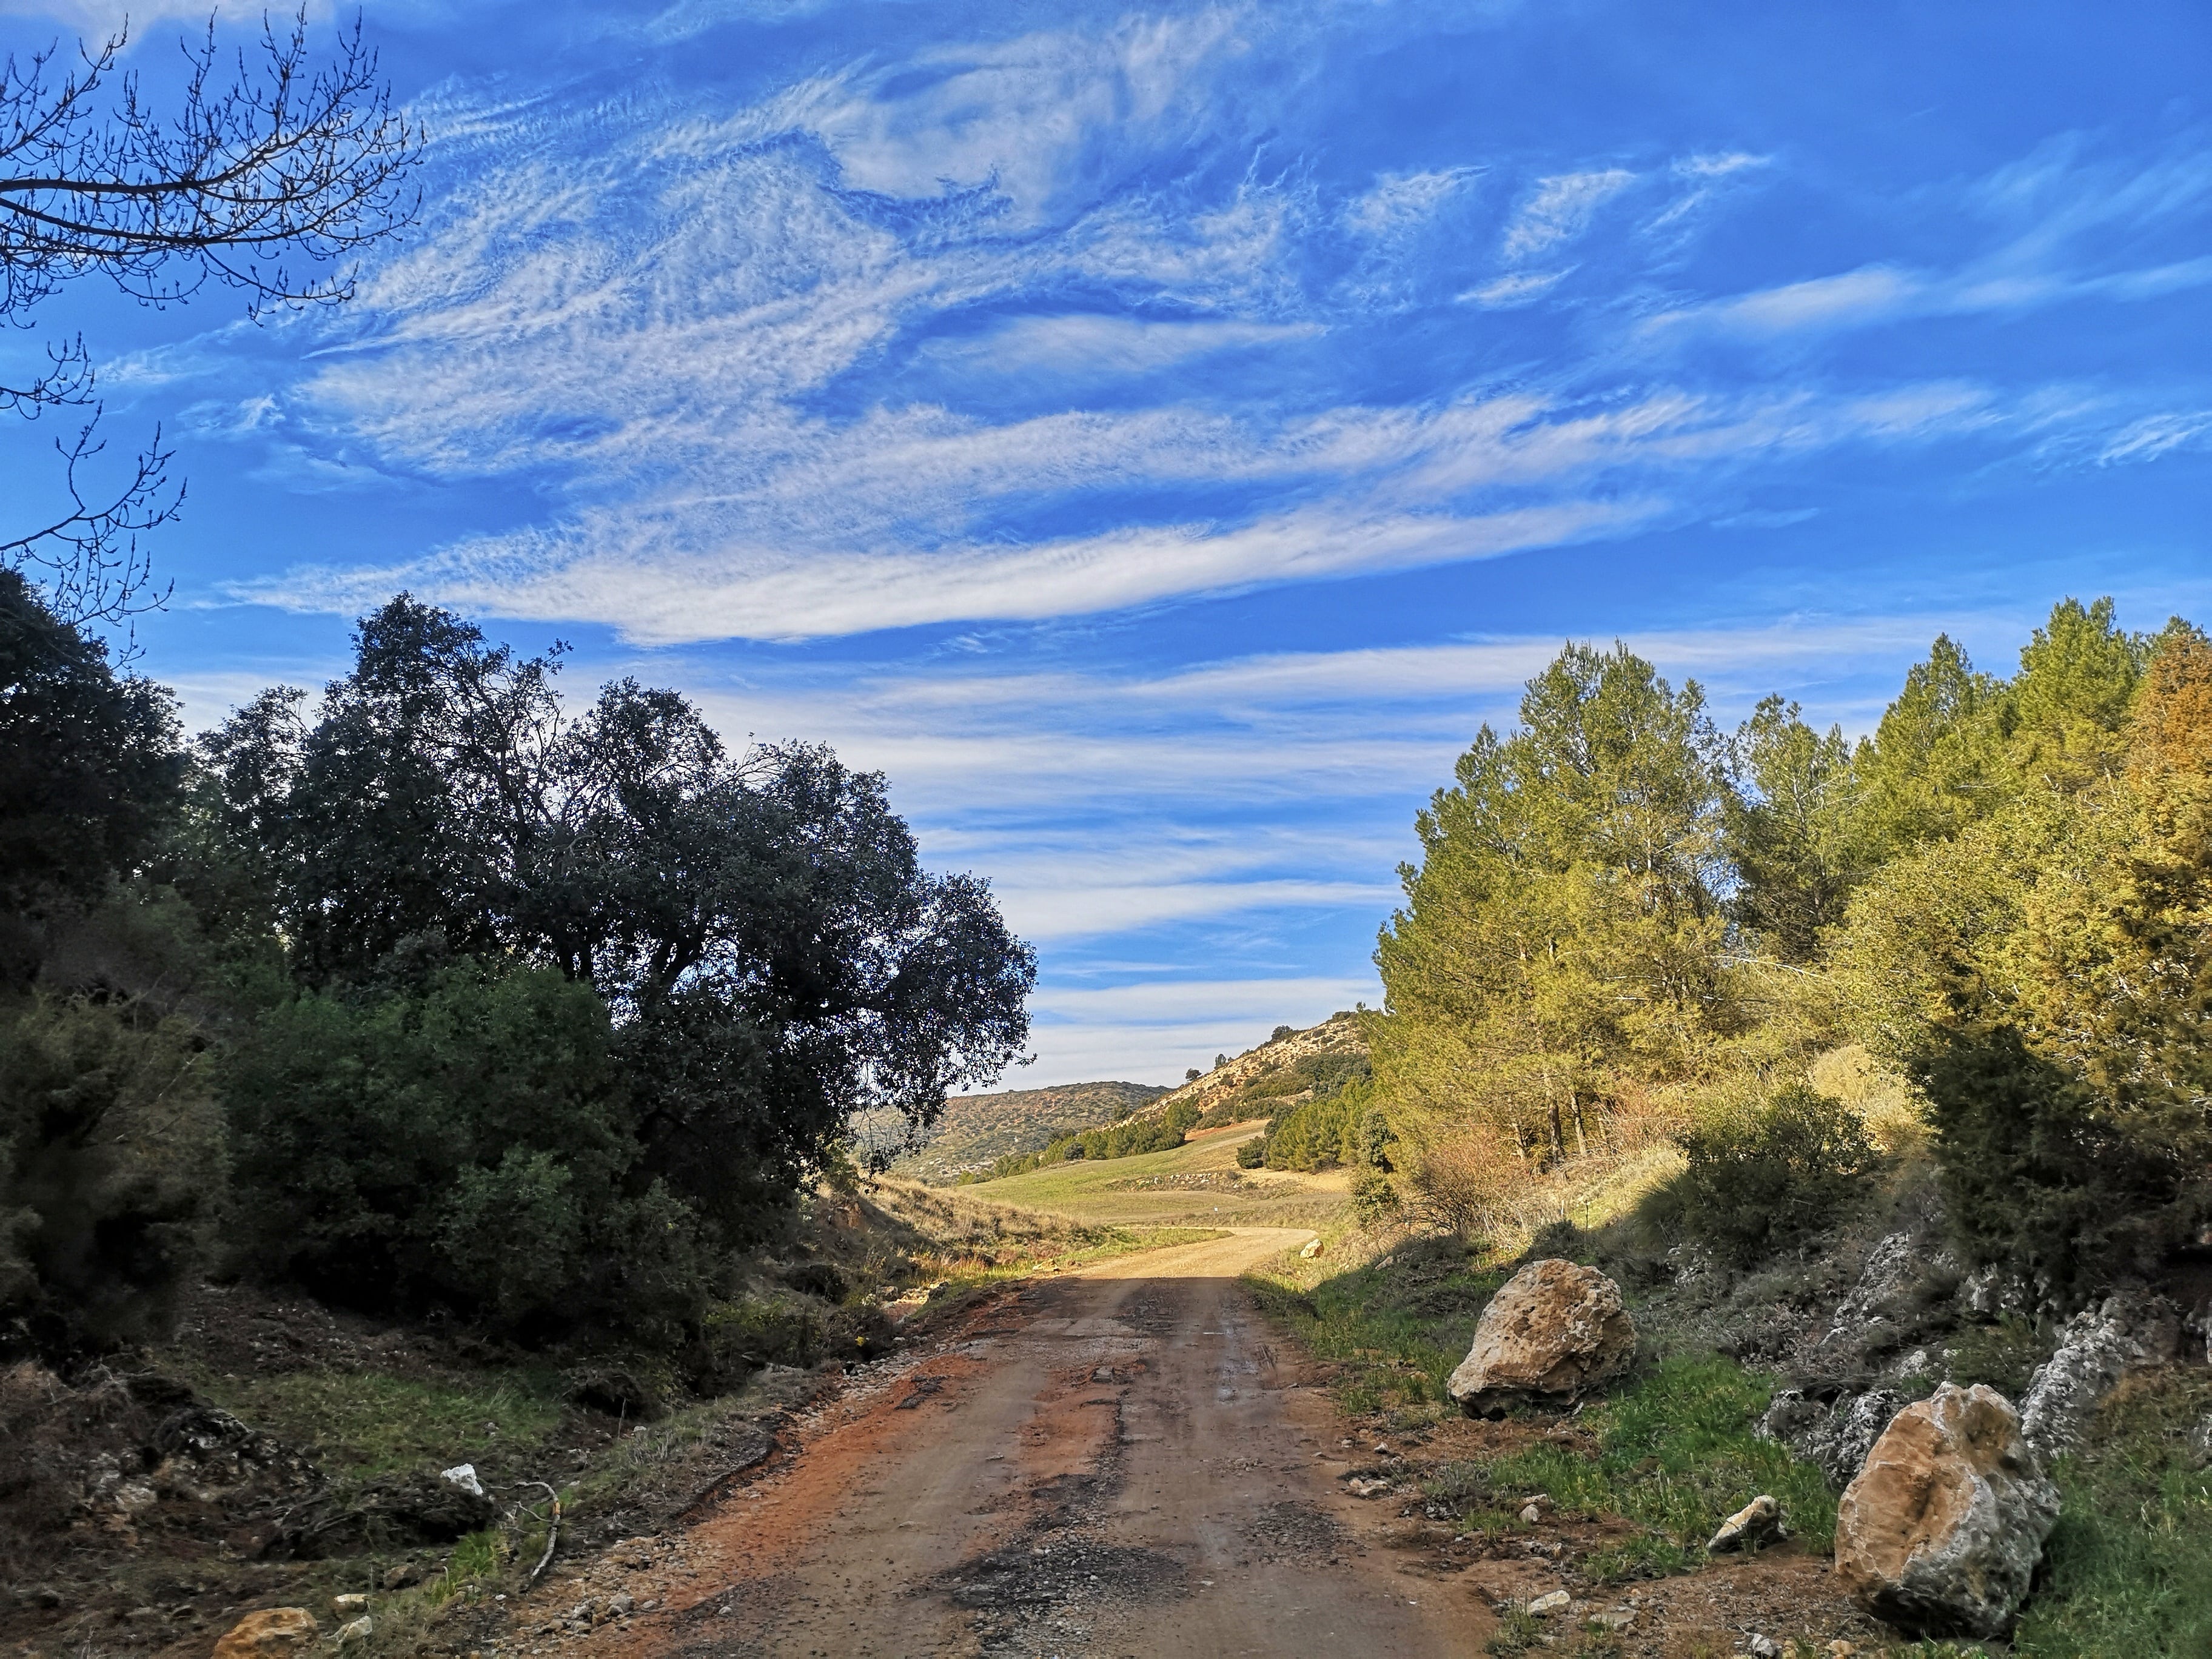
x: 1196, y: 1184
x: 977, y: 1129
x: 1286, y: 1071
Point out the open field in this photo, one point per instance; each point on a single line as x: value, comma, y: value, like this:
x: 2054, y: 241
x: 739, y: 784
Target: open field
x: 1197, y: 1184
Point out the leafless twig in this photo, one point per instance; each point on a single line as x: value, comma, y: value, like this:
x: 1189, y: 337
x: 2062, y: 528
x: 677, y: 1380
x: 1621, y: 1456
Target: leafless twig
x: 552, y: 1535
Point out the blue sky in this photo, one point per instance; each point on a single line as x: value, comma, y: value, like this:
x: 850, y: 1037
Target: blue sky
x: 1159, y: 438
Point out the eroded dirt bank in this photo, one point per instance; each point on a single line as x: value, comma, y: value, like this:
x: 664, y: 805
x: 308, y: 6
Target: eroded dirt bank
x: 1115, y: 1462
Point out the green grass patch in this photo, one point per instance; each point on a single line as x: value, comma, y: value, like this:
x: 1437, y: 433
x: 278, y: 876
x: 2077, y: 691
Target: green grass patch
x: 1676, y: 1451
x: 1396, y: 1330
x: 1677, y: 1455
x: 476, y: 1558
x: 1093, y: 1244
x: 1111, y: 1192
x: 2129, y: 1568
x: 361, y: 1423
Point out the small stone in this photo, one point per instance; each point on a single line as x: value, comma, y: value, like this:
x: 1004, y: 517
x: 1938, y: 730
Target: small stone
x: 1532, y: 1515
x: 1363, y: 1488
x: 1550, y: 1602
x: 1839, y: 1649
x: 406, y: 1573
x: 2200, y: 1442
x: 463, y: 1475
x: 1765, y: 1647
x: 1758, y: 1523
x: 1311, y: 1250
x: 619, y: 1605
x: 358, y: 1630
x: 349, y: 1607
x: 271, y: 1631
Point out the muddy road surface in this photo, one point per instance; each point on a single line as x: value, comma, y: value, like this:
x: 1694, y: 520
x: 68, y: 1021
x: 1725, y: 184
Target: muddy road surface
x: 1124, y: 1461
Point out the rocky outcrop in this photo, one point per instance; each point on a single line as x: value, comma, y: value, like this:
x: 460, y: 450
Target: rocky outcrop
x: 2096, y: 1348
x: 1941, y: 1530
x: 1835, y: 1434
x: 269, y: 1633
x: 1555, y: 1330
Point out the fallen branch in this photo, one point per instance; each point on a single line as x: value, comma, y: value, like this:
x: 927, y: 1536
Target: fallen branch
x: 552, y: 1535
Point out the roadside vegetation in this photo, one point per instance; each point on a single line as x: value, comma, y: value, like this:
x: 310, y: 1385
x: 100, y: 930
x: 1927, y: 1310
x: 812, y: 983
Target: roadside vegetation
x: 1627, y: 926
x: 450, y: 1000
x: 1762, y: 1021
x: 436, y: 1075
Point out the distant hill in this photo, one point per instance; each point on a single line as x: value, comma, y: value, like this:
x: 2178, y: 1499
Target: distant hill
x: 1287, y: 1069
x: 978, y: 1129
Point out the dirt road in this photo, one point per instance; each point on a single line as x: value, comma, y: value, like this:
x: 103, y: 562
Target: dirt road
x: 1117, y: 1462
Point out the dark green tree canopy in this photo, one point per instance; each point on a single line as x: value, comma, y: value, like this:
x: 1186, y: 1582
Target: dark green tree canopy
x: 776, y: 955
x: 89, y: 764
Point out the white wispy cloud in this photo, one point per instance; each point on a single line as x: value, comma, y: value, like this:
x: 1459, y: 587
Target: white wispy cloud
x: 2069, y: 229
x: 1520, y: 288
x: 2154, y: 435
x: 1399, y: 201
x: 1034, y: 117
x: 1071, y: 348
x: 1560, y: 208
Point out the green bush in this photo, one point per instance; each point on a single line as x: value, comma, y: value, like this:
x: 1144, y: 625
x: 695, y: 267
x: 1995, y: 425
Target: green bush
x: 2035, y: 1178
x: 467, y: 1144
x: 111, y: 1165
x: 1373, y: 1198
x: 1767, y: 1180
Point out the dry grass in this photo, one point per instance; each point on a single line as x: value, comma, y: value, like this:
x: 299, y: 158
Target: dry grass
x: 1482, y: 1190
x: 1894, y: 1116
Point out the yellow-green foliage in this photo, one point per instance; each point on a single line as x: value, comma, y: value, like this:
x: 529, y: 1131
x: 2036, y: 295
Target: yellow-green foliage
x: 2002, y: 899
x: 2042, y: 971
x: 1563, y: 942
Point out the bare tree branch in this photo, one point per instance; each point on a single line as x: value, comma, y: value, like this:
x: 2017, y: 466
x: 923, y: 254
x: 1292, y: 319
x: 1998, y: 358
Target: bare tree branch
x: 89, y: 561
x: 263, y: 180
x: 268, y: 178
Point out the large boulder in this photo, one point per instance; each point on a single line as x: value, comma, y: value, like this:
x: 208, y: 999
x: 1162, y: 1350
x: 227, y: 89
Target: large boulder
x: 1941, y: 1530
x: 1555, y: 1330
